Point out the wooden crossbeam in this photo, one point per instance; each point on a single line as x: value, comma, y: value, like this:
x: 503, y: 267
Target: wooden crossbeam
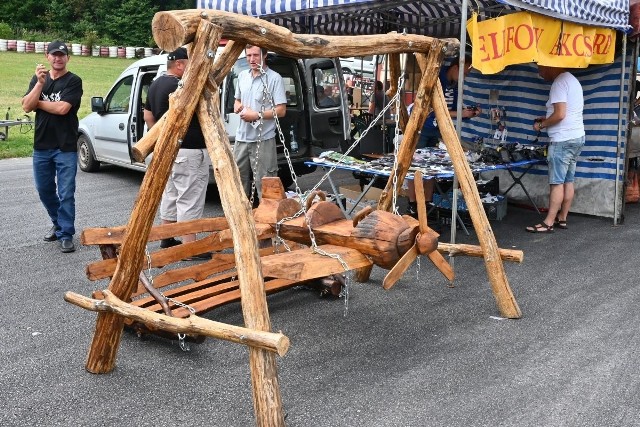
x: 192, y: 325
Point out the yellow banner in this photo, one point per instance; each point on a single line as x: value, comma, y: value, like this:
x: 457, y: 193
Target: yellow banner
x: 524, y: 37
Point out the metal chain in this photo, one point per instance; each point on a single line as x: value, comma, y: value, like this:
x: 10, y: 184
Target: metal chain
x: 184, y: 345
x: 303, y: 199
x: 344, y: 292
x: 356, y: 142
x: 396, y: 145
x: 256, y: 158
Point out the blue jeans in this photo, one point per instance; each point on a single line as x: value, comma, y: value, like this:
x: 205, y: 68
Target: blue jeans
x: 562, y: 157
x: 429, y: 137
x: 54, y: 172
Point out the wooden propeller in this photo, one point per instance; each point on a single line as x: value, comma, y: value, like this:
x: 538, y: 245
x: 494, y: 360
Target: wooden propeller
x: 426, y: 243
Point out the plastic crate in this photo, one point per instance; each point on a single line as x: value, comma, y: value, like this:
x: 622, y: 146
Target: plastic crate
x: 497, y: 210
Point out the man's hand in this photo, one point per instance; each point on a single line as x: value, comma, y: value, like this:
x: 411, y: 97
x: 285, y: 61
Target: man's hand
x: 41, y: 73
x: 470, y: 112
x: 248, y: 115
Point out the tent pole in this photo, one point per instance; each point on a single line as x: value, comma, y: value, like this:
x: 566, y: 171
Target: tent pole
x: 617, y: 193
x: 463, y: 49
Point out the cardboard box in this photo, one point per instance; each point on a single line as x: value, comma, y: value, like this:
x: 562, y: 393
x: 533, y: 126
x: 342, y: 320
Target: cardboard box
x: 351, y: 193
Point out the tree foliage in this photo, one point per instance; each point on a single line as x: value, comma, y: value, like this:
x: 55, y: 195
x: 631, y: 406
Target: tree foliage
x: 119, y: 22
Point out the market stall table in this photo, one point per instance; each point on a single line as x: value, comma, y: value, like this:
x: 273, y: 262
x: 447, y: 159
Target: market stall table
x: 432, y: 163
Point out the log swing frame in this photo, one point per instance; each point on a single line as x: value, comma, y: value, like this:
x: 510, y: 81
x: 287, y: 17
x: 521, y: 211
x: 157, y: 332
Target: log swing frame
x: 198, y: 94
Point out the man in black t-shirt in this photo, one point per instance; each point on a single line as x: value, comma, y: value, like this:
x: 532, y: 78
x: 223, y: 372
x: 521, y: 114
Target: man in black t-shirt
x: 185, y: 193
x: 55, y: 96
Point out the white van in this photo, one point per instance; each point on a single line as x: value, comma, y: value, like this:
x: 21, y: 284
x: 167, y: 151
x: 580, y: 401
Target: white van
x: 116, y: 123
x: 364, y: 66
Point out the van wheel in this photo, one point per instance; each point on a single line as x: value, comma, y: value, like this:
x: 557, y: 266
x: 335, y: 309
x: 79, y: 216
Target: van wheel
x: 86, y: 159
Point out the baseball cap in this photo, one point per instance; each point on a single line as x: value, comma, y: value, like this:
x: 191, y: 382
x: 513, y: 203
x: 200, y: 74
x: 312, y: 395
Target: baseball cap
x: 179, y: 53
x: 57, y: 46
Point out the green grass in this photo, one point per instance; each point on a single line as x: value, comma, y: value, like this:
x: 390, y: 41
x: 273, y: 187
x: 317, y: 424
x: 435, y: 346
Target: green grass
x: 97, y: 74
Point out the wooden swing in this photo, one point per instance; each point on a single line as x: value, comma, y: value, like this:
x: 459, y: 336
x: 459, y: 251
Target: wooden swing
x: 377, y: 237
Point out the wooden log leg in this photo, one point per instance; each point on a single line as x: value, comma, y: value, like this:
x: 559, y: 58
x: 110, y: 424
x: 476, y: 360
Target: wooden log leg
x: 418, y: 115
x: 362, y: 274
x: 106, y: 340
x: 267, y: 400
x: 495, y: 269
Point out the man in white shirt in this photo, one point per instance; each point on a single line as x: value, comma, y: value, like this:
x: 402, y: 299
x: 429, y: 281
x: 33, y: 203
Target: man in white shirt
x: 565, y: 128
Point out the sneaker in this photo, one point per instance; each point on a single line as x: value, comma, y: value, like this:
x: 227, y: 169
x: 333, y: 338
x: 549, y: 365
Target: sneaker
x: 51, y: 234
x: 66, y: 246
x: 199, y: 257
x: 167, y: 243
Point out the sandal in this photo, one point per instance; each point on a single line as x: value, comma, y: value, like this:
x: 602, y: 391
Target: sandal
x: 560, y: 224
x: 540, y: 228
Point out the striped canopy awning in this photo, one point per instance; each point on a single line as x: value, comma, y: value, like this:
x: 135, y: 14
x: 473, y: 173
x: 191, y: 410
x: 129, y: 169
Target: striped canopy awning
x: 435, y: 18
x: 602, y: 13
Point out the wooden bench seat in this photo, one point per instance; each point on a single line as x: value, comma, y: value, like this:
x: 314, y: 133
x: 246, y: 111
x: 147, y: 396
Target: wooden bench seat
x: 201, y: 287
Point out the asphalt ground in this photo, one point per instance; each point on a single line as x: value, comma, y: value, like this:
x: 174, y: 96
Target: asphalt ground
x: 421, y: 354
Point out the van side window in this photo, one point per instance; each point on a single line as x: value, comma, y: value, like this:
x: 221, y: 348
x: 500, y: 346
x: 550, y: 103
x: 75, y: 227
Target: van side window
x: 232, y: 84
x: 289, y: 73
x: 326, y: 86
x: 147, y: 79
x: 291, y: 91
x: 119, y: 98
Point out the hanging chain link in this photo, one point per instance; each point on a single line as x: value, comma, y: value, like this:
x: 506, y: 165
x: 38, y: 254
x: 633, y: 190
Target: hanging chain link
x: 267, y: 96
x: 396, y: 145
x: 345, y: 290
x: 184, y: 345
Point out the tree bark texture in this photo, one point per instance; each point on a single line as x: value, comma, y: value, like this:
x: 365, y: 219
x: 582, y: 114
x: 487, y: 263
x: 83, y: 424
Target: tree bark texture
x: 267, y: 400
x: 193, y: 325
x: 172, y: 29
x: 102, y: 354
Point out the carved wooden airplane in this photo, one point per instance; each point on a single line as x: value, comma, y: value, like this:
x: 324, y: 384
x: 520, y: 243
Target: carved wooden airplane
x: 389, y: 241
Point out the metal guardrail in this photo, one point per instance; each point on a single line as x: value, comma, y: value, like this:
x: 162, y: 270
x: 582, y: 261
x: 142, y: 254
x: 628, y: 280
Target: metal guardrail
x: 6, y: 124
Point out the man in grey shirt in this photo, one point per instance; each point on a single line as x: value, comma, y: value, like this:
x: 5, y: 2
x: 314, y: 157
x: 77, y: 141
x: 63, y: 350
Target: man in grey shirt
x: 259, y: 98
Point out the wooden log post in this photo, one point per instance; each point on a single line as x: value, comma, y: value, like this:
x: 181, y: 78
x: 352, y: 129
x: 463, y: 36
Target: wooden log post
x: 495, y: 269
x: 267, y: 400
x: 106, y: 340
x: 419, y: 113
x: 394, y: 73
